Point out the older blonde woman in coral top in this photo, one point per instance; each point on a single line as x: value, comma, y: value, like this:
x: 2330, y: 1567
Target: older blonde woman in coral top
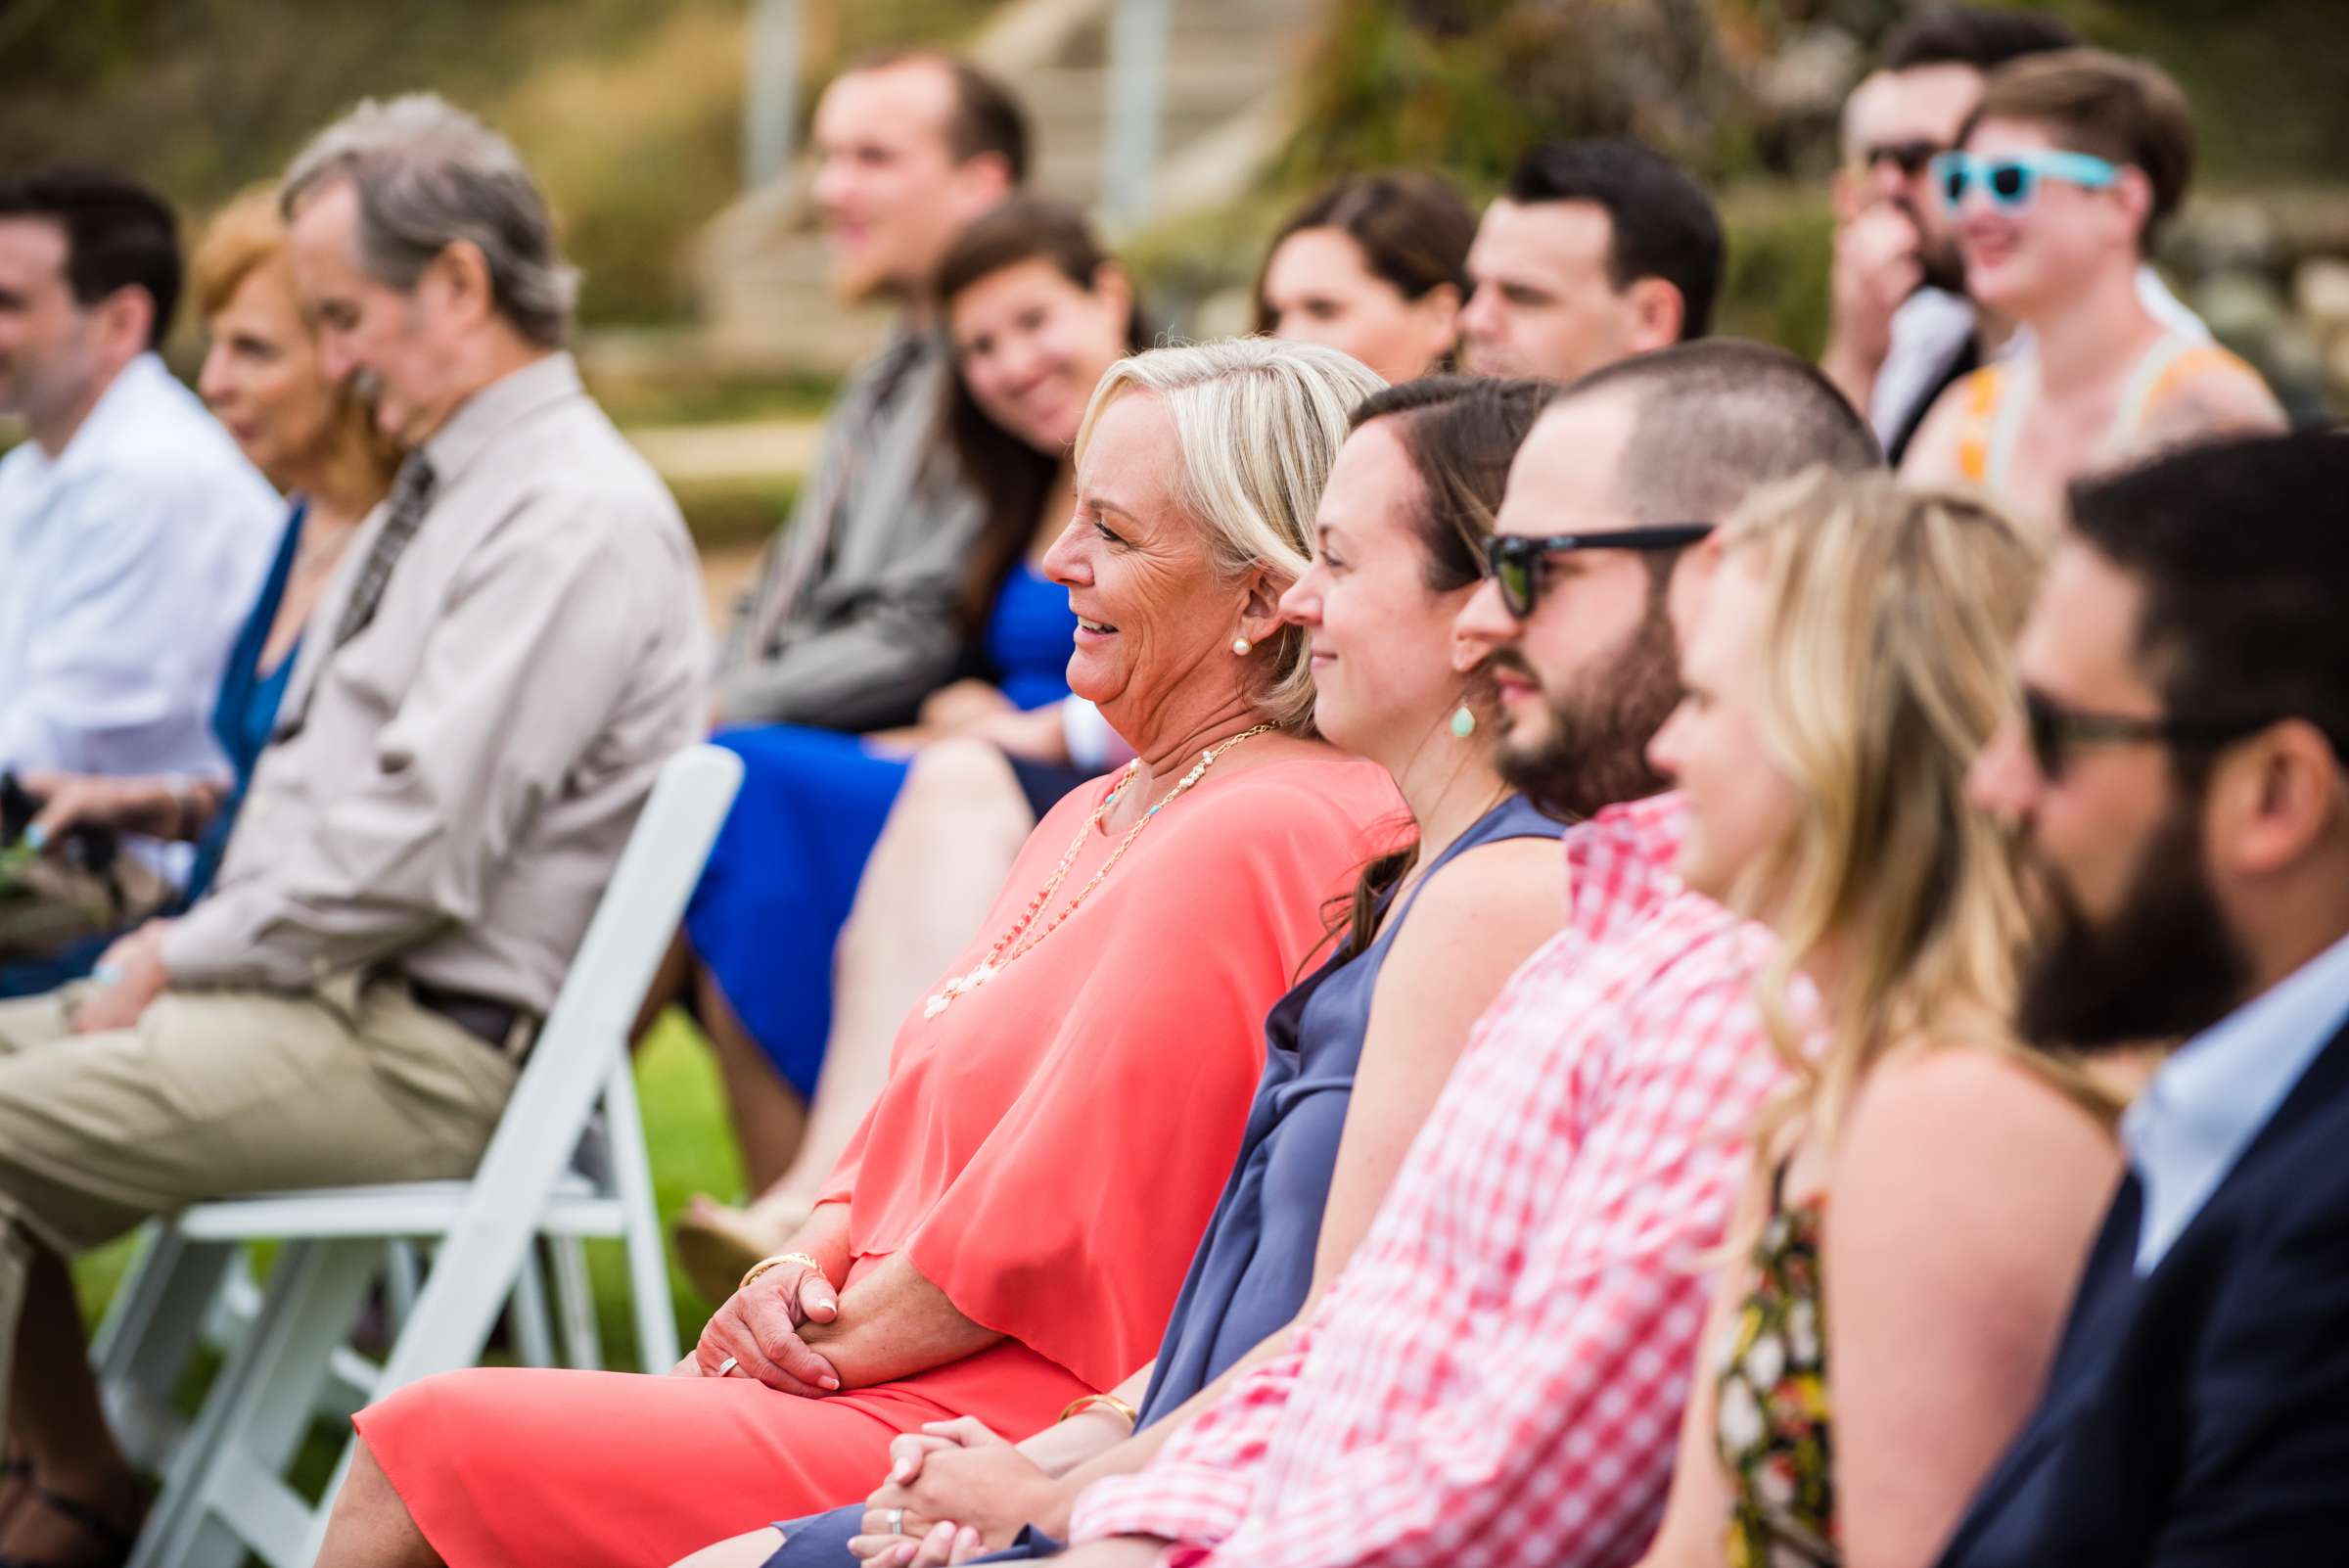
x: 1008, y: 1229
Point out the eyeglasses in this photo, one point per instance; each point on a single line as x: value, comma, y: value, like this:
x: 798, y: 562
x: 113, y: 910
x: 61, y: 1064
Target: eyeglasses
x: 1909, y: 158
x: 1516, y: 557
x: 2013, y: 178
x: 2055, y: 732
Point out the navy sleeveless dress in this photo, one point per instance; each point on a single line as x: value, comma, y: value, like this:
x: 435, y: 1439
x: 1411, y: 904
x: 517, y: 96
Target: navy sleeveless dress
x: 1255, y: 1263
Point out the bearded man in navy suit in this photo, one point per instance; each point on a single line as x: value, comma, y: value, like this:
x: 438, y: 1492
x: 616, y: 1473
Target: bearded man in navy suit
x: 2181, y: 797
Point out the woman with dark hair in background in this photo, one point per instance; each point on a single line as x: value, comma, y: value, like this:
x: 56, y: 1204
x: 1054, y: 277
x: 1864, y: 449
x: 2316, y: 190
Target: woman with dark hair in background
x: 1376, y: 266
x: 1036, y: 312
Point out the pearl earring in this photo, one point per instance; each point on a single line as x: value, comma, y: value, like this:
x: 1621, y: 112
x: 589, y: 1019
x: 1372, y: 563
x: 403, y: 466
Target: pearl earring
x: 1464, y: 721
x: 1242, y: 646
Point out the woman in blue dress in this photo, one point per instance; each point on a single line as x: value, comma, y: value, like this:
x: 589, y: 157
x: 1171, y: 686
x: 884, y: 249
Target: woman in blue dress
x: 1036, y: 312
x: 1357, y: 1052
x: 315, y: 443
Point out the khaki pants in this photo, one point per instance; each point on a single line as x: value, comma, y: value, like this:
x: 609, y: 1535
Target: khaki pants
x: 221, y: 1092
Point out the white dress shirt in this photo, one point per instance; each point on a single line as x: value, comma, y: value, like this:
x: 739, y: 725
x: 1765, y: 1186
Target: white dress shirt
x: 127, y: 562
x: 2210, y: 1099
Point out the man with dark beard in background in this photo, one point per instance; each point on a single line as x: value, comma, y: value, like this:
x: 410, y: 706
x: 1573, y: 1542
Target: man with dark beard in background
x: 2183, y: 802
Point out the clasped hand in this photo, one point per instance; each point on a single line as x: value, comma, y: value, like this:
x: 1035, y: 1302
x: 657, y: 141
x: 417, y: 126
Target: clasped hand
x: 758, y: 1331
x: 962, y: 1491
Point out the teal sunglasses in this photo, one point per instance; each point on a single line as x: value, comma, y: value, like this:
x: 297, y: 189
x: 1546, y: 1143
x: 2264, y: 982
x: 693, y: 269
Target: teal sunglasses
x: 2011, y: 179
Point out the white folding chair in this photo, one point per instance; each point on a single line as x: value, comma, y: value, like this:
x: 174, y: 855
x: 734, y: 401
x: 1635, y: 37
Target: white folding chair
x: 547, y: 1172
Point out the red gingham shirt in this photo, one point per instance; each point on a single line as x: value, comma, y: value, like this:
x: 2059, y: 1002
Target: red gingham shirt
x: 1496, y: 1377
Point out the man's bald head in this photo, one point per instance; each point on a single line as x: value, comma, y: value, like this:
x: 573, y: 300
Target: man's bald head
x: 1712, y: 420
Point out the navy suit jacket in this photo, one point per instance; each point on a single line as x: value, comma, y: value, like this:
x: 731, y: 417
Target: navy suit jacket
x: 2200, y: 1417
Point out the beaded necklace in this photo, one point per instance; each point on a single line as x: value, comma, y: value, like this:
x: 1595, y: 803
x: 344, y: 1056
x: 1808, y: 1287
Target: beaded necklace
x: 1005, y: 951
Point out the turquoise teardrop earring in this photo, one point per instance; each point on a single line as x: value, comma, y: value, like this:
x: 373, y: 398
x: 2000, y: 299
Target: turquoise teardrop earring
x: 1464, y: 721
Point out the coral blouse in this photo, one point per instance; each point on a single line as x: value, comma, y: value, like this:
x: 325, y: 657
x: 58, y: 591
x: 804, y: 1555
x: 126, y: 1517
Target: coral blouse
x: 1049, y: 1146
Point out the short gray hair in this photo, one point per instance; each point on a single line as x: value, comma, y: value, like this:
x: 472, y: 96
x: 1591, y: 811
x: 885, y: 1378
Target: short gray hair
x: 1258, y: 423
x: 428, y: 175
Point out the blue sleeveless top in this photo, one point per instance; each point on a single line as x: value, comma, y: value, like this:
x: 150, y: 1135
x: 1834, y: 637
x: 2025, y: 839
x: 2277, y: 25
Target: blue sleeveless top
x: 1029, y: 638
x: 245, y: 714
x: 1255, y: 1262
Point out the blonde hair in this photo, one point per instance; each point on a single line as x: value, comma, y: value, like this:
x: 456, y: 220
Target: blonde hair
x: 1885, y: 670
x: 244, y: 237
x: 1257, y: 424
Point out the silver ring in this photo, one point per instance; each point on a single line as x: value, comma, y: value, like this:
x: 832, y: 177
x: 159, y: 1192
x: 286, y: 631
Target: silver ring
x: 896, y: 1521
x: 727, y: 1365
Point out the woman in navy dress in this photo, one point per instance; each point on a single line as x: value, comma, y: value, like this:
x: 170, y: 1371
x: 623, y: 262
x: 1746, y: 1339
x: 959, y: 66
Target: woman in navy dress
x: 315, y: 443
x: 1035, y: 313
x: 1357, y: 1052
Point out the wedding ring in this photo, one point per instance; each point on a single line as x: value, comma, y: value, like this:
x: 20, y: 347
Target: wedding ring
x: 896, y: 1521
x: 727, y: 1366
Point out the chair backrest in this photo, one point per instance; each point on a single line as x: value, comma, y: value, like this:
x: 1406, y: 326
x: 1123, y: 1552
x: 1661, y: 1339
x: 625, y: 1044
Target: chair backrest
x: 643, y: 903
x: 574, y: 1056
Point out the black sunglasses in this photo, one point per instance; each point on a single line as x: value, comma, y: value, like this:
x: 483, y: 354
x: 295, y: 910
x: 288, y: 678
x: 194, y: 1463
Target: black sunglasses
x: 1516, y: 557
x: 1909, y: 158
x: 2056, y: 730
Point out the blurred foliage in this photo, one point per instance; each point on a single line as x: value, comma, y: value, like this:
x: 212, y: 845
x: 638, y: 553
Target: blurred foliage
x: 630, y: 111
x: 720, y: 513
x: 1746, y: 92
x: 1468, y: 84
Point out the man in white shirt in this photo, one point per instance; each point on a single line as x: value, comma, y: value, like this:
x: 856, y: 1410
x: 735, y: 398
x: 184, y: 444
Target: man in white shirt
x: 133, y: 535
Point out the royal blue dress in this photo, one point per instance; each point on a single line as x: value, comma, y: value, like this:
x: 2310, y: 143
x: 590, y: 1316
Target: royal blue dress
x: 1255, y: 1261
x: 244, y: 714
x: 784, y: 870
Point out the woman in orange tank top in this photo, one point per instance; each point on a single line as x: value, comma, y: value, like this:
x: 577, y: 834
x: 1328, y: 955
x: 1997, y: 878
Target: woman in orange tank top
x: 2065, y: 170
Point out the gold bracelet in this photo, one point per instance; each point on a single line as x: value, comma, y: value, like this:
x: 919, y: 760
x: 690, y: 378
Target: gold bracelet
x: 764, y: 1265
x: 1087, y: 1402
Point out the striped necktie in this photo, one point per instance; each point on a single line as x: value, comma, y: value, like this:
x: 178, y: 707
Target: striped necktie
x: 411, y: 500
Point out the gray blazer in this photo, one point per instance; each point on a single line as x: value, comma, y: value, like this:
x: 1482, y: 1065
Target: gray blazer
x: 851, y: 619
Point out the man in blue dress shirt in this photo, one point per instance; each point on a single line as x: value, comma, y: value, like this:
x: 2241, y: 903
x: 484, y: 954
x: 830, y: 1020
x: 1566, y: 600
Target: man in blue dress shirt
x: 2181, y: 797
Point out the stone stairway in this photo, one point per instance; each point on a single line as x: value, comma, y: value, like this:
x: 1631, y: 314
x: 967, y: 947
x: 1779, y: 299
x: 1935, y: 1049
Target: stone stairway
x: 759, y: 267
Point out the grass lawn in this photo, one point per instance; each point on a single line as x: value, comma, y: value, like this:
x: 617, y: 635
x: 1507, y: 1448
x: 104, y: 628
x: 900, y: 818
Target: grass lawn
x: 685, y: 1128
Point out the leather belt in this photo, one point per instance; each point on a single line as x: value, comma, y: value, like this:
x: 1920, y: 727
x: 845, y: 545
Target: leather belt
x: 487, y: 1020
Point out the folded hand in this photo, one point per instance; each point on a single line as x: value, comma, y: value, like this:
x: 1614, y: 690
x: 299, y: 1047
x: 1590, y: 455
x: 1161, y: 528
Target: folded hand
x: 757, y: 1333
x: 939, y: 1545
x: 960, y: 1472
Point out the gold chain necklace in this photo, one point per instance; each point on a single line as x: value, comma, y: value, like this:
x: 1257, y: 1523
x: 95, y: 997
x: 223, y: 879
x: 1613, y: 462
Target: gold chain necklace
x: 1004, y: 953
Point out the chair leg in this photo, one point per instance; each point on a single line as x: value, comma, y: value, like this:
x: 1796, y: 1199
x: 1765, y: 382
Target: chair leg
x: 574, y: 1301
x: 526, y: 1315
x: 403, y: 1273
x: 649, y: 1299
x: 225, y: 1493
x: 150, y: 1335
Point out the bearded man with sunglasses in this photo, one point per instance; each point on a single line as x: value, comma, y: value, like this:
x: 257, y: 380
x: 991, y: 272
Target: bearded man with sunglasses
x: 1901, y: 328
x: 2181, y: 800
x: 2063, y: 178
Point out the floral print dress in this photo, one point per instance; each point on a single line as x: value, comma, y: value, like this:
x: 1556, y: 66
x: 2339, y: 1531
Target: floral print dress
x: 1772, y: 1426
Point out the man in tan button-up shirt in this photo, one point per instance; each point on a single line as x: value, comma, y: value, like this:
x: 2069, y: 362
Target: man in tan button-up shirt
x: 510, y: 649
